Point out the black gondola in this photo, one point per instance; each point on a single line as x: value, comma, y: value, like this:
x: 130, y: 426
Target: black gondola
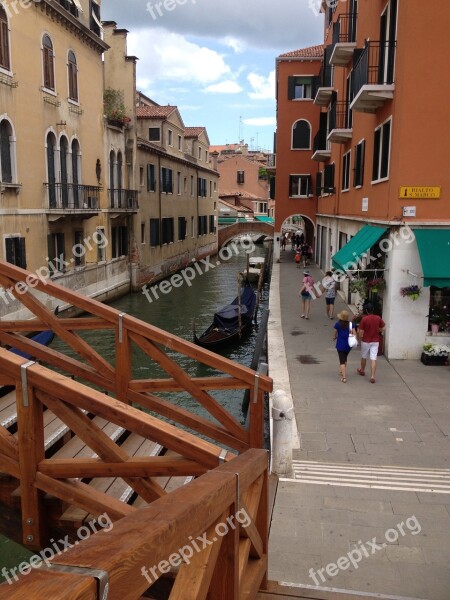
x: 227, y: 326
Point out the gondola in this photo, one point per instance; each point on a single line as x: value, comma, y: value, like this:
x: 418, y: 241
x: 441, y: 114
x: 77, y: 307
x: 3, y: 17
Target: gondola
x: 228, y: 325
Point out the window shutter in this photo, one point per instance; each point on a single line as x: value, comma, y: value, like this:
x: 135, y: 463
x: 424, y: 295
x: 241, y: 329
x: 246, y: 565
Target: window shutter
x: 385, y: 150
x: 22, y: 262
x: 272, y: 188
x: 328, y: 183
x: 376, y: 154
x: 9, y: 246
x: 291, y: 88
x: 309, y: 188
x: 319, y: 183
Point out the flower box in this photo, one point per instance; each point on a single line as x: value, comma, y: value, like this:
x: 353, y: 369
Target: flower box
x: 434, y: 360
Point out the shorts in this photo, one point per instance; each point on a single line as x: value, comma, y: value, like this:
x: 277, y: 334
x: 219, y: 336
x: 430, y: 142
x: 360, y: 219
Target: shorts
x: 330, y: 301
x: 343, y: 355
x: 305, y: 296
x: 369, y: 349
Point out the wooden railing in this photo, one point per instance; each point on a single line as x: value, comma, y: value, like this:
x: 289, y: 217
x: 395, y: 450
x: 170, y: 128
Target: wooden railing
x: 218, y: 524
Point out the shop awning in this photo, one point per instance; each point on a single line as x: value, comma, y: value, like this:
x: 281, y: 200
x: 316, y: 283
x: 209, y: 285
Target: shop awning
x: 264, y: 219
x: 434, y: 252
x: 348, y: 256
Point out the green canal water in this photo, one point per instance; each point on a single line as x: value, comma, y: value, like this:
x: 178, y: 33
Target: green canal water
x: 175, y: 312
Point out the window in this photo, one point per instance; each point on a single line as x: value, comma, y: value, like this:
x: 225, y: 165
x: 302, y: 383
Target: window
x: 154, y: 134
x: 300, y: 88
x: 272, y: 186
x: 48, y: 58
x: 179, y: 183
x: 185, y: 185
x: 78, y: 249
x: 192, y: 227
x: 6, y: 151
x: 381, y: 151
x: 241, y: 176
x: 346, y: 171
x: 4, y: 40
x: 72, y: 73
x: 166, y: 180
x: 101, y: 246
x: 328, y: 179
x: 167, y: 232
x: 182, y: 228
x: 56, y: 254
x: 15, y: 251
x: 169, y: 138
x: 202, y: 225
x: 206, y: 156
x: 151, y: 179
x: 212, y: 225
x: 301, y: 135
x: 358, y: 173
x: 180, y: 142
x: 192, y: 185
x: 51, y: 169
x: 154, y: 233
x: 119, y: 238
x: 199, y: 153
x: 262, y: 207
x: 300, y: 186
x: 202, y: 190
x: 319, y: 176
x: 76, y: 172
x: 142, y: 233
x: 210, y: 189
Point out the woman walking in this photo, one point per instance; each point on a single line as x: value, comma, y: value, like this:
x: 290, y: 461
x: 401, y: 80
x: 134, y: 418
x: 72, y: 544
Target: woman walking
x: 306, y: 294
x: 342, y: 329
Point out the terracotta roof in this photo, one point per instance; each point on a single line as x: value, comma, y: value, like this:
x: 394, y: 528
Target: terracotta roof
x: 311, y: 52
x: 242, y: 194
x: 154, y: 112
x: 193, y: 132
x: 239, y: 207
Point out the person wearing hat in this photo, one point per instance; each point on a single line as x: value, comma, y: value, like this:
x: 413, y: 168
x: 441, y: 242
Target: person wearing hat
x: 369, y: 332
x: 306, y: 293
x: 342, y: 329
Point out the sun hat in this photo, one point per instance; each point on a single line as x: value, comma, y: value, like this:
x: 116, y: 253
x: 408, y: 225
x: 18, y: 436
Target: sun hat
x: 344, y: 316
x: 306, y: 272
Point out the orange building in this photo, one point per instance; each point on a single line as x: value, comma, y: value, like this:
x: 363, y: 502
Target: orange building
x: 382, y: 186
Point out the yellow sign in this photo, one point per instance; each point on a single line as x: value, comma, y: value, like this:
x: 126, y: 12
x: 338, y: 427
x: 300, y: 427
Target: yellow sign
x: 420, y: 191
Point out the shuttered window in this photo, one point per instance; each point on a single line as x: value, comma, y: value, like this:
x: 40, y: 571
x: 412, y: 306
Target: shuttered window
x: 319, y: 176
x: 5, y: 152
x: 166, y: 180
x: 300, y: 186
x: 15, y: 251
x: 48, y: 63
x: 182, y: 228
x: 167, y: 230
x: 328, y: 179
x: 358, y: 177
x: 381, y: 151
x: 151, y: 179
x: 346, y: 171
x: 212, y: 225
x: 154, y: 232
x: 4, y: 40
x: 300, y: 88
x: 301, y: 135
x: 72, y: 76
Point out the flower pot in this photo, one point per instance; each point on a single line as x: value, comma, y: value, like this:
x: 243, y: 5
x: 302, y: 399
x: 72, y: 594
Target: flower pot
x: 414, y: 296
x: 434, y: 328
x: 434, y: 360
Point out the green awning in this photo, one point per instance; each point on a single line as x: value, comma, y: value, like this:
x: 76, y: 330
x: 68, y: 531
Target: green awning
x: 348, y: 256
x: 264, y: 219
x: 434, y: 252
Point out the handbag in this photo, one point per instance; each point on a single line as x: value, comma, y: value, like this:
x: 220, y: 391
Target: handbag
x: 352, y: 341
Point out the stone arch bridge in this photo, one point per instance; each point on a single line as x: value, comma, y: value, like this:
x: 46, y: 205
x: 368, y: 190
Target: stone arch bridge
x: 230, y: 231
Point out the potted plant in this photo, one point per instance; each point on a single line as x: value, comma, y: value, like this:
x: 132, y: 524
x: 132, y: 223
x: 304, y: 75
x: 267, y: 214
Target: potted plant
x: 375, y: 285
x: 438, y: 318
x: 114, y: 107
x: 435, y: 354
x: 359, y: 286
x: 411, y: 291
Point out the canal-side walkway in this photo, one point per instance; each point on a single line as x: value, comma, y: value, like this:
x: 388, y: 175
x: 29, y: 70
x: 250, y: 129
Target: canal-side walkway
x: 359, y: 511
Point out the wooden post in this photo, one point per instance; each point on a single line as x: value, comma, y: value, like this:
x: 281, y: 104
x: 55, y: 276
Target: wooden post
x: 30, y: 420
x: 262, y: 519
x: 257, y: 410
x: 239, y: 304
x: 123, y: 360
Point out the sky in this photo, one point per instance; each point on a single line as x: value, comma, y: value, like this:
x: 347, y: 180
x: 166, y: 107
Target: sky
x: 215, y: 59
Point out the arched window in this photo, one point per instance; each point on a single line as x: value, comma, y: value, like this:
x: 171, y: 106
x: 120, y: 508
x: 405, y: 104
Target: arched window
x: 48, y: 63
x: 119, y: 171
x: 72, y: 76
x: 51, y: 170
x: 6, y: 162
x: 64, y: 156
x: 4, y: 40
x: 301, y: 135
x: 76, y: 172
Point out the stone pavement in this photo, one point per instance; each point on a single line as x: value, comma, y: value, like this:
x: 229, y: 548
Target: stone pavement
x: 373, y: 462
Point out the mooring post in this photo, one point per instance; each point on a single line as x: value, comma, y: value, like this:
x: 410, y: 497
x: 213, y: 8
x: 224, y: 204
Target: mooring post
x: 282, y: 415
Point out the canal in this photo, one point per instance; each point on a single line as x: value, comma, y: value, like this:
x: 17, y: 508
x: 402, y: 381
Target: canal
x: 176, y: 312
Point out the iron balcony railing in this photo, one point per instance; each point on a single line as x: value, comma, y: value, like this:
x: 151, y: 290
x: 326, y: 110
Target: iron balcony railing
x: 340, y: 116
x: 320, y: 141
x: 375, y: 66
x: 326, y: 76
x: 73, y: 196
x: 124, y: 199
x: 344, y: 30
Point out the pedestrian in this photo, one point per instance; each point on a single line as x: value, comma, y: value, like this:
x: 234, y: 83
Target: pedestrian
x: 329, y: 285
x: 283, y: 241
x: 369, y: 331
x: 298, y: 258
x: 342, y: 329
x: 306, y: 294
x: 305, y: 249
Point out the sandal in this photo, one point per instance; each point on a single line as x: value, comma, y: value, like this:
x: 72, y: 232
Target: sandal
x: 372, y: 380
x: 361, y: 372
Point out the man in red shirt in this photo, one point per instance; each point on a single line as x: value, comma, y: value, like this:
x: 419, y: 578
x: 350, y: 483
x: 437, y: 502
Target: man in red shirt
x: 369, y: 331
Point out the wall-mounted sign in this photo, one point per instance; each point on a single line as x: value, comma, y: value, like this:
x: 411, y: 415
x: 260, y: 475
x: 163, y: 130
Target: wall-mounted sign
x: 423, y: 191
x: 409, y: 211
x: 365, y: 205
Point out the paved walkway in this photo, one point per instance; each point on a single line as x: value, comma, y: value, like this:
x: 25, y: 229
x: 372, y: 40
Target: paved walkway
x: 369, y: 459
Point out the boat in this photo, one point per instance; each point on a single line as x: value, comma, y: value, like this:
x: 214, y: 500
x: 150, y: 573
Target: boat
x: 231, y: 322
x: 255, y: 264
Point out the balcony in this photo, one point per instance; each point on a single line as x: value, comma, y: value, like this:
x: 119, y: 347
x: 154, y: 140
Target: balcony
x: 325, y: 89
x: 344, y: 40
x: 66, y: 199
x: 321, y: 146
x: 123, y: 200
x: 373, y: 77
x: 340, y: 124
x: 271, y: 166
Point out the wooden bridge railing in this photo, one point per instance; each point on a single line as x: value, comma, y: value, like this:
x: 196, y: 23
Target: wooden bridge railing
x: 218, y: 524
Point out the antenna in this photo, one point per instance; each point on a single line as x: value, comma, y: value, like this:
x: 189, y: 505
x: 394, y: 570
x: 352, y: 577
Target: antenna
x: 241, y: 126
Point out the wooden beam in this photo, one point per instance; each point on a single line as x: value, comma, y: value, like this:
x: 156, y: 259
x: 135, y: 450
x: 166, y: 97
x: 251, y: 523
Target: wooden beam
x: 46, y: 585
x: 148, y: 466
x: 204, y: 383
x: 70, y: 324
x: 9, y: 446
x: 256, y: 420
x: 123, y: 359
x: 9, y: 466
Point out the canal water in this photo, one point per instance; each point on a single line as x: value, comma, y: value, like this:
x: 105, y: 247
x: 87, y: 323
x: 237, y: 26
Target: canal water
x: 176, y: 312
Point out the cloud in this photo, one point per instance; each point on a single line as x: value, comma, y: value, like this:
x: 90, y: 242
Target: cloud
x: 261, y: 121
x: 237, y: 45
x: 263, y: 87
x: 224, y: 87
x: 169, y: 56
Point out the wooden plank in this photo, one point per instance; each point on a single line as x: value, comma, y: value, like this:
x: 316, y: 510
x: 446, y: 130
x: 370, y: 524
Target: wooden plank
x: 75, y: 445
x: 204, y: 383
x: 133, y: 467
x: 225, y: 580
x: 193, y: 579
x: 43, y: 585
x: 262, y: 522
x: 8, y: 410
x: 8, y: 444
x: 9, y: 466
x: 81, y: 323
x: 256, y: 420
x: 254, y: 576
x: 123, y: 359
x: 80, y: 494
x: 31, y: 452
x: 207, y: 401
